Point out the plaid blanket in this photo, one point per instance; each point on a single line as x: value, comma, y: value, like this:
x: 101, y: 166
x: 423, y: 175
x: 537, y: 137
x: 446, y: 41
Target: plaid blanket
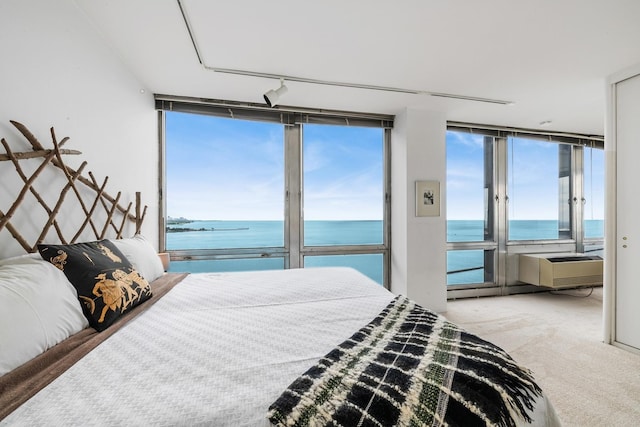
x: 409, y: 367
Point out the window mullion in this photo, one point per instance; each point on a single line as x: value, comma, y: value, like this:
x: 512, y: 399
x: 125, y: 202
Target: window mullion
x: 502, y: 208
x: 578, y: 197
x: 566, y: 192
x: 293, y: 194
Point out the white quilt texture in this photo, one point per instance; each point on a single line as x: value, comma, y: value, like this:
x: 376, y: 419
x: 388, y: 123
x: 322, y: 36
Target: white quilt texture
x: 217, y: 350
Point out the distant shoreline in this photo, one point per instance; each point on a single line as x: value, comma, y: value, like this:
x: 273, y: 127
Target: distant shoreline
x: 184, y: 229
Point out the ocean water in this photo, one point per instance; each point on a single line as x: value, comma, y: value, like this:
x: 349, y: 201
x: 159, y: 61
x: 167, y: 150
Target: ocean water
x: 473, y: 230
x: 256, y: 234
x: 463, y: 266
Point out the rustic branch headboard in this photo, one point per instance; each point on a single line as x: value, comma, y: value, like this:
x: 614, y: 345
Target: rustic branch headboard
x: 100, y: 212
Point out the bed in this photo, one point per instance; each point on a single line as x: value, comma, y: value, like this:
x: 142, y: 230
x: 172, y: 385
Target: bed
x: 317, y: 346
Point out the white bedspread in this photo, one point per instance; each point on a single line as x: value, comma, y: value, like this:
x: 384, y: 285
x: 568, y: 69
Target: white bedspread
x: 217, y: 350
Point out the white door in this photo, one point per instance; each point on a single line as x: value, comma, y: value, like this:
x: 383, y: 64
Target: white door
x: 627, y: 311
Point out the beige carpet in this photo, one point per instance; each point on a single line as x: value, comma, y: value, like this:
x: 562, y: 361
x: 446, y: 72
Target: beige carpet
x: 559, y: 337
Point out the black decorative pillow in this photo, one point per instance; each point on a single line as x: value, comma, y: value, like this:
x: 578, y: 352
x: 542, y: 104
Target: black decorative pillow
x: 106, y: 282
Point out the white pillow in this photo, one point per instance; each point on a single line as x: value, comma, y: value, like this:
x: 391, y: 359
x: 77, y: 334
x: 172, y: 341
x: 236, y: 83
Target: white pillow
x: 38, y: 309
x: 141, y: 255
x: 19, y: 258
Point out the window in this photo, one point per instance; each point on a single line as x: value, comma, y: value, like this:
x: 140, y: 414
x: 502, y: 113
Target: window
x: 511, y: 192
x: 593, y: 193
x: 249, y: 189
x: 343, y: 185
x: 470, y: 208
x: 469, y: 186
x: 224, y: 183
x: 539, y: 177
x: 344, y: 196
x: 469, y: 266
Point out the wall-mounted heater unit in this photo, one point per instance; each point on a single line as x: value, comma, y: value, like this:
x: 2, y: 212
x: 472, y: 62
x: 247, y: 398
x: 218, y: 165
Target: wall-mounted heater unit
x: 563, y: 270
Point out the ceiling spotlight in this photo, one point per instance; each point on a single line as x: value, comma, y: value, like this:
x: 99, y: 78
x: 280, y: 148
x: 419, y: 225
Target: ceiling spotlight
x: 273, y: 96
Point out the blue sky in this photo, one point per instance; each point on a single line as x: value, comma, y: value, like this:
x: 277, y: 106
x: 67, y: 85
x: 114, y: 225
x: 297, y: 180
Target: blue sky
x: 594, y: 184
x: 465, y: 193
x: 234, y: 170
x: 343, y: 172
x: 533, y: 182
x: 217, y: 169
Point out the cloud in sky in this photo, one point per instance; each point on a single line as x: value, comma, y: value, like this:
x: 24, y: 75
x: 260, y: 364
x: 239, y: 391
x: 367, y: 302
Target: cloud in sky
x: 234, y: 170
x: 532, y: 182
x: 343, y: 173
x: 465, y: 176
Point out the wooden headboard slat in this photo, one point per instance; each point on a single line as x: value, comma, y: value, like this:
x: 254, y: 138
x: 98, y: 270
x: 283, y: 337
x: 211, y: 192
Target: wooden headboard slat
x: 56, y: 209
x: 88, y: 219
x: 36, y: 154
x: 117, y: 216
x: 26, y: 186
x: 110, y: 217
x: 17, y: 236
x: 28, y: 135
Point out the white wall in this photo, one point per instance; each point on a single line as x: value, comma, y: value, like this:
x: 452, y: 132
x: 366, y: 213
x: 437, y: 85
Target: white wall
x: 418, y: 247
x: 57, y: 71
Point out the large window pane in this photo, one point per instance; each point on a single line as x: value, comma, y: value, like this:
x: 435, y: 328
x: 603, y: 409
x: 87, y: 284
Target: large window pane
x: 594, y: 193
x: 343, y: 185
x: 225, y: 181
x: 538, y: 189
x: 470, y: 267
x: 469, y: 188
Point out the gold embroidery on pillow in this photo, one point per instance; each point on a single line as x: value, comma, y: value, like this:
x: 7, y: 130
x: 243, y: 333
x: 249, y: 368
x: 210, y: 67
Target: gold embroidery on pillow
x: 59, y: 260
x: 91, y: 304
x: 128, y: 293
x: 118, y: 293
x: 127, y: 280
x: 86, y: 255
x: 108, y: 253
x: 111, y: 293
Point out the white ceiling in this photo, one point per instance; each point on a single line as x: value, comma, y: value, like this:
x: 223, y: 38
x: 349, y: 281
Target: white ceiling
x: 550, y: 57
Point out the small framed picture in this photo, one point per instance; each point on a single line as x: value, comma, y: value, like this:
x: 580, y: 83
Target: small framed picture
x: 427, y: 198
